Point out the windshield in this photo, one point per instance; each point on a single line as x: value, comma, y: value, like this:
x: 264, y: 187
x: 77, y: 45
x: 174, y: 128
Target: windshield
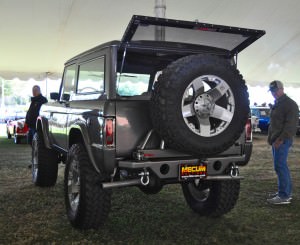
x: 131, y: 84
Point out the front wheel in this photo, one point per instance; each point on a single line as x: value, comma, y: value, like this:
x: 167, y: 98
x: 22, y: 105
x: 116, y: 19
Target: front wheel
x: 44, y: 163
x: 87, y: 203
x: 211, y: 198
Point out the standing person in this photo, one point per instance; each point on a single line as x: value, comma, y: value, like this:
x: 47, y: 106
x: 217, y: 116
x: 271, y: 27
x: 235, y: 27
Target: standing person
x: 283, y: 123
x: 33, y: 112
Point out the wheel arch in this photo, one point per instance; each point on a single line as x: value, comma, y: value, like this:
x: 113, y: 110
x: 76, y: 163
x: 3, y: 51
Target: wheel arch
x: 78, y: 133
x: 42, y: 126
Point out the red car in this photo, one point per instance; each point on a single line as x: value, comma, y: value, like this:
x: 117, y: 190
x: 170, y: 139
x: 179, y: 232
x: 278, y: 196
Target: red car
x: 17, y: 129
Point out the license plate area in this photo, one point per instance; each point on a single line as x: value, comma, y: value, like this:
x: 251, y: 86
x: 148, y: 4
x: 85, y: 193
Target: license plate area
x: 192, y: 171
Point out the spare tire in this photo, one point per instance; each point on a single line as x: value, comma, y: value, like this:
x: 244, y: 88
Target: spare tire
x: 200, y: 104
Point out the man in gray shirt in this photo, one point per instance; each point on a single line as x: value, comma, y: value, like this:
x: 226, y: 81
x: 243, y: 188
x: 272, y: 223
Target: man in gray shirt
x: 283, y: 123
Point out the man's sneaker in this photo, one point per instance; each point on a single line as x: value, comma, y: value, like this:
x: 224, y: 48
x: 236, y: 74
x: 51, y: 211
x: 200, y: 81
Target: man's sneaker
x: 278, y: 200
x: 272, y: 195
x: 275, y: 194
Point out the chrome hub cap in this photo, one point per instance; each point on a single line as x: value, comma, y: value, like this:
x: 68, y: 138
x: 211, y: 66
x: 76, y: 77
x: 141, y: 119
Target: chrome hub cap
x: 203, y: 105
x: 74, y: 185
x: 208, y: 105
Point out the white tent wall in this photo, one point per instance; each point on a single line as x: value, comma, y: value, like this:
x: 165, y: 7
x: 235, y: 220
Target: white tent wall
x: 39, y: 36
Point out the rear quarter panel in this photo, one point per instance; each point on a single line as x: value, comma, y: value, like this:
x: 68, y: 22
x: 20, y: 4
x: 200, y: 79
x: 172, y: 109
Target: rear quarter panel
x: 133, y: 122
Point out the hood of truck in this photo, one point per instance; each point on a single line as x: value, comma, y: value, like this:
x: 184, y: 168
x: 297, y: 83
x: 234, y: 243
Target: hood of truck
x: 232, y: 39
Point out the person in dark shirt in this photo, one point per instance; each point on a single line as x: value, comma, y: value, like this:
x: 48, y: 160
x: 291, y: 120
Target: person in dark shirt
x: 283, y: 125
x: 33, y: 112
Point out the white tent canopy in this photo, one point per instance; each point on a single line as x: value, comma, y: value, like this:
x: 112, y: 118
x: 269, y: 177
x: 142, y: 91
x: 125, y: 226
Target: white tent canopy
x: 38, y: 36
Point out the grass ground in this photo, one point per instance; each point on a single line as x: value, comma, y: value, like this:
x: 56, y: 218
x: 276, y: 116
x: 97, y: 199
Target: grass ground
x: 31, y: 215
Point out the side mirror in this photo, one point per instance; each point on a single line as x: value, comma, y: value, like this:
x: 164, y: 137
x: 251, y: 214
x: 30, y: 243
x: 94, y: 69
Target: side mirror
x: 54, y: 96
x: 66, y: 97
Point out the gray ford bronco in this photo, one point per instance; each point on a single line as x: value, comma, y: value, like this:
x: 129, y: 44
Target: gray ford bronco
x: 165, y: 105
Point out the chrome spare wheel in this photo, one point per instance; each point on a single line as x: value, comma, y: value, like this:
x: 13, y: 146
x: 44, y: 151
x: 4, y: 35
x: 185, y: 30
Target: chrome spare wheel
x: 208, y: 105
x: 74, y: 185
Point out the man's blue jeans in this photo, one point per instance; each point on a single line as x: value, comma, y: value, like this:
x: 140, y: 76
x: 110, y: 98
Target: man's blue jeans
x: 30, y: 135
x: 280, y: 156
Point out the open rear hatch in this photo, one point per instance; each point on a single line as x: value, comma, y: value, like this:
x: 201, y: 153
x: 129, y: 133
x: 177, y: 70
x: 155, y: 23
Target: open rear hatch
x: 232, y: 39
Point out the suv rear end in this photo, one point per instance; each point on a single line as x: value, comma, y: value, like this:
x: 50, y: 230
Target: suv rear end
x: 165, y: 109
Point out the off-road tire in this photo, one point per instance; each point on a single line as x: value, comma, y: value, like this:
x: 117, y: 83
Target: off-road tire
x: 222, y: 197
x: 94, y: 202
x: 154, y: 186
x: 44, y: 163
x: 166, y: 111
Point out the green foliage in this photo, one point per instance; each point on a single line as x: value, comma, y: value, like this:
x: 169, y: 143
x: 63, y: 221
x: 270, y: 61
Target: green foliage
x: 8, y: 88
x: 14, y: 93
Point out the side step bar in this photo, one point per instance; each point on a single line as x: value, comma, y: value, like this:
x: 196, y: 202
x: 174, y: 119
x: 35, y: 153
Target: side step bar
x: 124, y: 183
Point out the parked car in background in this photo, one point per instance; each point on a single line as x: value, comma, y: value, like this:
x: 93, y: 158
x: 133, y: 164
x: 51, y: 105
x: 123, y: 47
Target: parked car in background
x: 17, y: 129
x: 262, y: 114
x: 254, y: 123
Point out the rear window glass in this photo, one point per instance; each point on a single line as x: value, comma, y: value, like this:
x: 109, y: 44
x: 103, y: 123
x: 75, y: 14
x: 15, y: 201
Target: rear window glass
x: 198, y: 36
x: 131, y: 84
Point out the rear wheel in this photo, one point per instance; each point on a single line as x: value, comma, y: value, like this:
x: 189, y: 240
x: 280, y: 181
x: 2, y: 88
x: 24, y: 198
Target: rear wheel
x: 44, y: 163
x: 154, y: 186
x: 87, y: 203
x: 211, y: 198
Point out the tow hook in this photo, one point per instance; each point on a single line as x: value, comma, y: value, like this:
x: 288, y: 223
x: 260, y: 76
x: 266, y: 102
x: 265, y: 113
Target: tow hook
x: 144, y: 177
x: 234, y: 172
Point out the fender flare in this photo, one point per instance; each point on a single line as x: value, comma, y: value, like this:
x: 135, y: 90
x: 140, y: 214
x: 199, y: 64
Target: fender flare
x: 43, y: 125
x: 86, y: 140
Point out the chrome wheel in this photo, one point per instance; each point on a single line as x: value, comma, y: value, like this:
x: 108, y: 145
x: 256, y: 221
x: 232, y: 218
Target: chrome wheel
x: 74, y: 185
x: 208, y: 105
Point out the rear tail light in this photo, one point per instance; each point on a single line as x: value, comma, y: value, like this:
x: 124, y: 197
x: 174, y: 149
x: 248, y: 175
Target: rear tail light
x: 248, y: 130
x: 109, y: 132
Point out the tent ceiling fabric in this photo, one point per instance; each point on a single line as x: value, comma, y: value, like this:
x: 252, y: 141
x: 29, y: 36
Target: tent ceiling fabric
x: 39, y: 36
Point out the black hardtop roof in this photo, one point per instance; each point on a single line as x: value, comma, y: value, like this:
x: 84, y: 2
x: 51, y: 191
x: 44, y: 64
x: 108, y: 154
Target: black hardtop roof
x: 95, y: 49
x: 152, y: 46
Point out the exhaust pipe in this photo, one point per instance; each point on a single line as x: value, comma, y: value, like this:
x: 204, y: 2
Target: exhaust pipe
x: 125, y: 183
x: 224, y: 177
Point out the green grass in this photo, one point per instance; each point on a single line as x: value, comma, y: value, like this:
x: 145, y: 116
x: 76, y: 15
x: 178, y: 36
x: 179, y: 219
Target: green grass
x: 31, y: 215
